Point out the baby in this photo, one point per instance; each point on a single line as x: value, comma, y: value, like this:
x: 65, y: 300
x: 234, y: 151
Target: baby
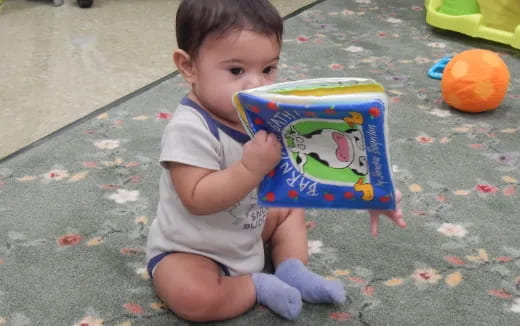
x: 205, y: 249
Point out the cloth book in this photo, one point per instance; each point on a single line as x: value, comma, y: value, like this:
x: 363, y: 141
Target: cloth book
x: 333, y: 133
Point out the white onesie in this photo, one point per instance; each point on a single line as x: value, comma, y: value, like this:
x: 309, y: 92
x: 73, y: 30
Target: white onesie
x: 231, y: 237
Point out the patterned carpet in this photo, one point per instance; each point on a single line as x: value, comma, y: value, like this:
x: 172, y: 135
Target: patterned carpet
x: 75, y: 209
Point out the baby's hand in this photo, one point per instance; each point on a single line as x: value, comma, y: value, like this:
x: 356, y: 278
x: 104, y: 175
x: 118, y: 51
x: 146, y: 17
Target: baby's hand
x: 262, y: 153
x: 396, y: 216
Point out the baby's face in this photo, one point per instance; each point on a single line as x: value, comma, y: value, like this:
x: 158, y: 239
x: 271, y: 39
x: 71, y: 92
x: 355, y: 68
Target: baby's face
x: 237, y: 61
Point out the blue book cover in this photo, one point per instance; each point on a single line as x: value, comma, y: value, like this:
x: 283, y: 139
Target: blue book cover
x: 334, y: 142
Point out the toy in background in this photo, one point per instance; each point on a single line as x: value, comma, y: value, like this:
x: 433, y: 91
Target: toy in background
x: 334, y: 142
x: 81, y: 3
x: 495, y: 20
x: 472, y: 81
x: 85, y: 3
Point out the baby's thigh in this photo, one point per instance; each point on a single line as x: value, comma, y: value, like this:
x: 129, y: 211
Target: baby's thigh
x: 183, y: 281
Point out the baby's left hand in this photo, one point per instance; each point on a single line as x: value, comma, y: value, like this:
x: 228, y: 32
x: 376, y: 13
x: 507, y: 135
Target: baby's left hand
x: 396, y: 216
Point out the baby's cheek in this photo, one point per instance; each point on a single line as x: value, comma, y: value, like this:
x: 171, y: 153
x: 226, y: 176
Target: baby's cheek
x: 271, y: 79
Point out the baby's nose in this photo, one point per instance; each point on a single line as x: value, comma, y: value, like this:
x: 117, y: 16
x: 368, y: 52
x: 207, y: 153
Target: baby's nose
x: 254, y: 81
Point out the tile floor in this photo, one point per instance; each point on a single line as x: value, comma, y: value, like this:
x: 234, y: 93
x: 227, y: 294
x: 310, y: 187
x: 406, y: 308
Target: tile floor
x: 58, y: 64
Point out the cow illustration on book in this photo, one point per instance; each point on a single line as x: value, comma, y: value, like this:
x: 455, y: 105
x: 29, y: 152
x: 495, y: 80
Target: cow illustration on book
x: 330, y: 151
x: 331, y: 147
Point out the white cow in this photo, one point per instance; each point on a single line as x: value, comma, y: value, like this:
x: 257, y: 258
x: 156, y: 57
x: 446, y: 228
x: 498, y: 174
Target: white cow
x: 333, y: 148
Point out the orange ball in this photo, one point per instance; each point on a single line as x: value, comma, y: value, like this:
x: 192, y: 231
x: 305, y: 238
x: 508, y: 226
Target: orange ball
x: 475, y: 81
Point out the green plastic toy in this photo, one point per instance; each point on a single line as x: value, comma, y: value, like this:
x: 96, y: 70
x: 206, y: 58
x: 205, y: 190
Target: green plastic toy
x: 459, y: 8
x: 495, y: 20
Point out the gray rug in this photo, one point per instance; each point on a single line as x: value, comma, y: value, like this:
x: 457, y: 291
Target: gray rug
x: 75, y: 209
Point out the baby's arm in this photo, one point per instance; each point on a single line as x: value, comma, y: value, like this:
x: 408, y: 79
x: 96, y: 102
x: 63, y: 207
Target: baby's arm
x: 204, y: 191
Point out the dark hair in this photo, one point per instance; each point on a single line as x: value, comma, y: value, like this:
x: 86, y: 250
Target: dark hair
x: 197, y: 19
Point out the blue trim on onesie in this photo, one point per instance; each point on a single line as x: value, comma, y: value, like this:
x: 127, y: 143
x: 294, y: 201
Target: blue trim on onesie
x: 215, y: 125
x: 155, y: 260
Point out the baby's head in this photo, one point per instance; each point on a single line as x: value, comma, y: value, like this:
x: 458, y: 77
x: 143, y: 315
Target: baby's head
x: 226, y: 46
x: 199, y: 19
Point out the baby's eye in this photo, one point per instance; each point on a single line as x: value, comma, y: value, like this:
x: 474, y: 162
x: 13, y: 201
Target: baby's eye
x: 269, y: 70
x: 236, y: 71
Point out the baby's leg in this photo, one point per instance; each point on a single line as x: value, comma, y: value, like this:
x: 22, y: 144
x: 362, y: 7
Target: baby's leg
x: 194, y: 289
x: 285, y: 229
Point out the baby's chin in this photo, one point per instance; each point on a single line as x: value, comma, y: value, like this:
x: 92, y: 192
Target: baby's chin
x: 230, y: 117
x: 236, y: 122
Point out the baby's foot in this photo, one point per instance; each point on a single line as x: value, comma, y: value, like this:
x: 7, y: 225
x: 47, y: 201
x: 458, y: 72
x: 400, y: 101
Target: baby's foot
x: 277, y: 295
x: 313, y: 287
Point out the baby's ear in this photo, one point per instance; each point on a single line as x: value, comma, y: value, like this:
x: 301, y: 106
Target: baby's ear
x: 184, y: 64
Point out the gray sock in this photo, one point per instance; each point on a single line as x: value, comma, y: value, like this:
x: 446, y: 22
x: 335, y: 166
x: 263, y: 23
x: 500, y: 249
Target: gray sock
x: 313, y: 287
x: 278, y: 296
